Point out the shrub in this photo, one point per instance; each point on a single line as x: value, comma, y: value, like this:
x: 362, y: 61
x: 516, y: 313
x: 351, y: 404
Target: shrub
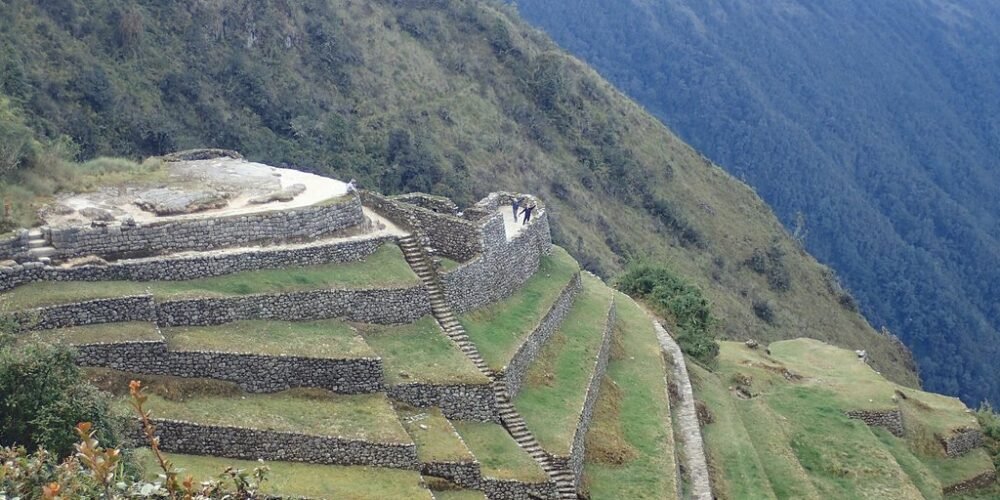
x: 43, y: 396
x: 763, y: 310
x: 679, y: 301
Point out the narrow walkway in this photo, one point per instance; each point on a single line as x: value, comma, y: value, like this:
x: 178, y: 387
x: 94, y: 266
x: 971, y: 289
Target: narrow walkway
x: 512, y: 421
x: 687, y: 418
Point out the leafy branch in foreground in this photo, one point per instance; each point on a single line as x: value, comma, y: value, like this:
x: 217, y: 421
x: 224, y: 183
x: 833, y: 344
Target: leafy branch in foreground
x: 98, y: 472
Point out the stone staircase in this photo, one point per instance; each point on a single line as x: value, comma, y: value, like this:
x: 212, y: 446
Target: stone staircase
x: 38, y: 247
x: 418, y: 260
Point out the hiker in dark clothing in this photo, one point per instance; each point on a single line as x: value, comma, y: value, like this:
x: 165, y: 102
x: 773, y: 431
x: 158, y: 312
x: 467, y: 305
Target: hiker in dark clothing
x: 527, y: 212
x: 515, y: 204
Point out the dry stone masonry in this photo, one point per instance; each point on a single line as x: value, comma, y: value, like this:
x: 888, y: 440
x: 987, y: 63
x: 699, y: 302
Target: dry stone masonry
x: 513, y: 374
x: 196, y: 265
x: 890, y: 420
x: 178, y: 436
x: 492, y: 265
x: 162, y: 236
x: 252, y: 372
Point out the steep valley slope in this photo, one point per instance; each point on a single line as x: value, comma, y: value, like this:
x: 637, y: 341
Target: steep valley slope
x: 872, y: 127
x: 454, y: 97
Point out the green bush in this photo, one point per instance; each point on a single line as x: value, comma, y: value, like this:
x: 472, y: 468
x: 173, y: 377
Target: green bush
x: 43, y: 396
x: 679, y: 301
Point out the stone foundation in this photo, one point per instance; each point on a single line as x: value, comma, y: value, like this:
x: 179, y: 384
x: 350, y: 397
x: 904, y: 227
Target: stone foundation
x: 962, y: 441
x: 890, y: 420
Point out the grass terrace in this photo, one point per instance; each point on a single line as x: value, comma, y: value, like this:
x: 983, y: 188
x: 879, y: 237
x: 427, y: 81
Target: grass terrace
x: 420, y: 352
x: 436, y: 439
x: 316, y: 339
x: 386, y: 267
x: 459, y: 495
x: 556, y: 384
x: 781, y: 438
x: 630, y: 444
x: 499, y: 455
x: 294, y: 479
x: 370, y: 417
x: 499, y: 329
x: 107, y: 333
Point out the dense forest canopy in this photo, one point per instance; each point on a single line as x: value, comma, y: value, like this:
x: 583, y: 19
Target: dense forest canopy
x: 872, y: 128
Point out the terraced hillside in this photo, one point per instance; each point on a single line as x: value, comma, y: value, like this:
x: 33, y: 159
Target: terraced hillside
x: 421, y: 351
x: 803, y: 419
x: 344, y: 362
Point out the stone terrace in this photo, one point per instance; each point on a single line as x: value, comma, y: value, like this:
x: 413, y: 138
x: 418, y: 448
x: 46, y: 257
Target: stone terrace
x: 331, y: 327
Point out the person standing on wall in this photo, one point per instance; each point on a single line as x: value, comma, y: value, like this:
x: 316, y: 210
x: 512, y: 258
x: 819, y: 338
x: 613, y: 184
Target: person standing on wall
x: 515, y: 203
x: 527, y: 213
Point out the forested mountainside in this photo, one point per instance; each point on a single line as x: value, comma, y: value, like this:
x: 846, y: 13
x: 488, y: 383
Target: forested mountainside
x: 453, y: 97
x: 872, y: 129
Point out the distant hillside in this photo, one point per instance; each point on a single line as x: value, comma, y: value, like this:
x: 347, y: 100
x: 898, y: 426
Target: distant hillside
x: 454, y: 97
x: 874, y: 127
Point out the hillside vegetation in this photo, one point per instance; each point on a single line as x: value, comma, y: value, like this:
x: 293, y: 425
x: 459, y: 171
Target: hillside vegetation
x: 455, y: 97
x: 778, y: 428
x: 871, y: 128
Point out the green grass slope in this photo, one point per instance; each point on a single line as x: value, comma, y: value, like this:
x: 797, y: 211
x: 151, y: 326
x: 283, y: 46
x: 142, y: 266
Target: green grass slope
x: 630, y: 445
x: 779, y: 427
x: 432, y: 96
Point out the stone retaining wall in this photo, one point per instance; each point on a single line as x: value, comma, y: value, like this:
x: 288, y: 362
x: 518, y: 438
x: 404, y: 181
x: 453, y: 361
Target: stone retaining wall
x: 465, y: 474
x: 513, y: 373
x: 962, y: 441
x: 450, y: 236
x: 381, y: 306
x: 121, y: 309
x: 14, y: 244
x: 574, y: 461
x: 177, y: 436
x: 890, y: 420
x: 205, y: 233
x: 509, y: 489
x: 252, y: 372
x: 502, y: 268
x: 186, y: 267
x: 984, y: 480
x: 473, y: 402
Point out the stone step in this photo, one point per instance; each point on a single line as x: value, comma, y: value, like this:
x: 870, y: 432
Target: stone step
x: 41, y: 252
x: 35, y: 233
x: 37, y: 243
